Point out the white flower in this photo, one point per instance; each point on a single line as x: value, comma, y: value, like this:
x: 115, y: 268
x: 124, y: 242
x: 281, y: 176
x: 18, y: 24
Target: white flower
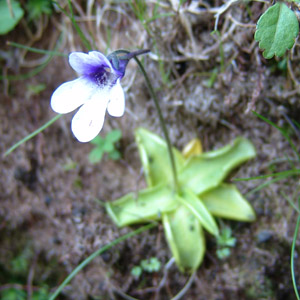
x: 97, y: 89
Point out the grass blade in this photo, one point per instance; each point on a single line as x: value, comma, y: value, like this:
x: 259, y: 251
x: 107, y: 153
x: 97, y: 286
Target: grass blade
x: 281, y: 131
x: 31, y: 135
x: 77, y: 28
x: 263, y: 185
x: 36, y: 50
x: 97, y: 253
x: 293, y: 254
x: 278, y: 174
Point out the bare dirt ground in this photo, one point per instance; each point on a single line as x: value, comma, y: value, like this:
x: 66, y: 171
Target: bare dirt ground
x: 49, y: 190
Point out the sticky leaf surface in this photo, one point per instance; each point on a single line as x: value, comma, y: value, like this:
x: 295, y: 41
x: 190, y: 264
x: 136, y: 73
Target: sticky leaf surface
x: 155, y: 157
x: 226, y: 201
x: 195, y: 205
x: 185, y: 238
x: 206, y: 171
x: 144, y: 206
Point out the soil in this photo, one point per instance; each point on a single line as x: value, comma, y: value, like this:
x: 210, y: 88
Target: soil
x: 51, y: 211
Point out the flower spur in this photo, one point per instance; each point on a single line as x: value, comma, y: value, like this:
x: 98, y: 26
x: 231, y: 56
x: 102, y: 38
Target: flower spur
x: 97, y: 89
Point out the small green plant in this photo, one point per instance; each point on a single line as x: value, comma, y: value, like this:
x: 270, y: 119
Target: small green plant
x: 105, y: 145
x: 19, y: 264
x: 10, y: 14
x: 201, y: 195
x: 224, y: 241
x: 35, y: 89
x: 16, y: 274
x: 139, y: 8
x: 277, y: 30
x: 70, y: 165
x: 136, y: 271
x: 36, y: 8
x: 148, y: 265
x: 18, y: 294
x: 13, y: 294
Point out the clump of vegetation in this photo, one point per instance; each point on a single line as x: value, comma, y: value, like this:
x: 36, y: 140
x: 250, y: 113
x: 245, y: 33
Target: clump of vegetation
x: 225, y: 241
x: 200, y: 195
x: 147, y: 265
x: 105, y: 145
x: 11, y: 12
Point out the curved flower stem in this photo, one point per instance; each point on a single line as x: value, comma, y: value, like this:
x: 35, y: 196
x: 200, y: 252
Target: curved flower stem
x: 134, y: 54
x: 162, y: 123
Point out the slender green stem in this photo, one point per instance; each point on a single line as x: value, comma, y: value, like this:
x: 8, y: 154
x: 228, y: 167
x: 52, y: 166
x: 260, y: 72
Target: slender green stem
x: 293, y: 253
x: 31, y: 135
x: 82, y: 36
x: 162, y: 123
x: 37, y: 69
x: 97, y: 253
x: 36, y: 50
x: 160, y: 116
x: 28, y: 75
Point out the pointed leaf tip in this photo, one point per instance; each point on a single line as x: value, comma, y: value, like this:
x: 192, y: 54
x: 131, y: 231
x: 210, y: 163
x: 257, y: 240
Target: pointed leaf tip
x: 226, y: 201
x: 206, y: 171
x: 199, y: 210
x: 155, y: 157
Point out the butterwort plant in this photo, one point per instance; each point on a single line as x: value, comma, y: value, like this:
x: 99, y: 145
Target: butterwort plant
x: 97, y: 90
x: 201, y: 196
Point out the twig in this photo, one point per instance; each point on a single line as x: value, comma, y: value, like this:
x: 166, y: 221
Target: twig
x: 239, y: 23
x: 221, y: 10
x: 185, y: 288
x: 291, y: 72
x: 165, y: 276
x: 30, y: 278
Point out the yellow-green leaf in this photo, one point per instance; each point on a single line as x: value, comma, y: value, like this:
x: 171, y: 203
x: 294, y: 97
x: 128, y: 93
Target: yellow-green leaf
x: 185, y: 238
x: 155, y: 157
x: 144, y: 206
x: 194, y: 204
x: 206, y: 171
x: 226, y: 201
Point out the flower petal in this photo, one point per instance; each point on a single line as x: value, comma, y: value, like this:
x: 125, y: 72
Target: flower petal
x: 116, y: 104
x: 88, y: 63
x: 71, y: 95
x: 89, y: 119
